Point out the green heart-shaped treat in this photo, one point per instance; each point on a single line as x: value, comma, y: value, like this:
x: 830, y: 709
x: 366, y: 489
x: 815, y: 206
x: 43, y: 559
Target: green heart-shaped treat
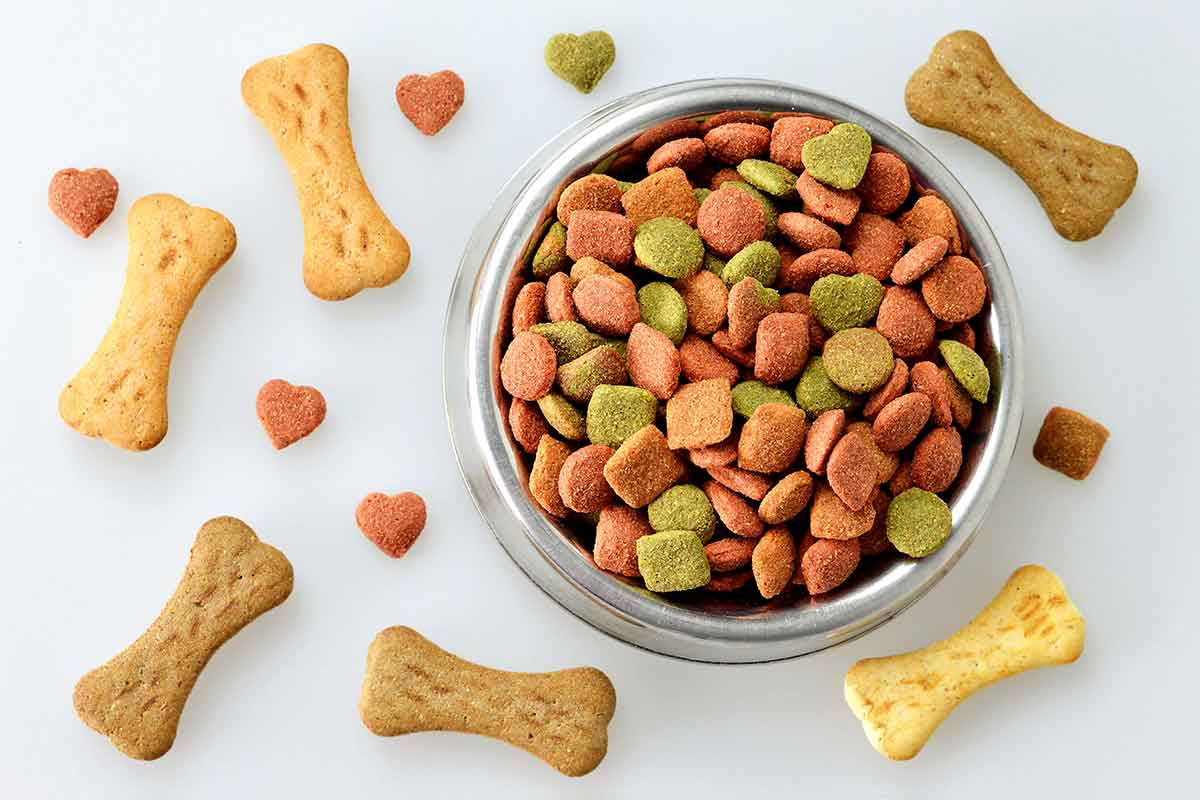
x: 581, y: 60
x: 838, y: 158
x: 839, y: 302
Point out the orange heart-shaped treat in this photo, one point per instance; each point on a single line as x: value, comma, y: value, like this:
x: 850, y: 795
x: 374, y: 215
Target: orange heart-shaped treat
x: 392, y: 523
x: 430, y: 101
x: 289, y: 413
x: 83, y: 199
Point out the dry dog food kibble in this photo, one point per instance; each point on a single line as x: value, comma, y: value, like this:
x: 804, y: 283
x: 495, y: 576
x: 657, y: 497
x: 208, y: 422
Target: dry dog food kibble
x: 1069, y: 442
x: 745, y: 361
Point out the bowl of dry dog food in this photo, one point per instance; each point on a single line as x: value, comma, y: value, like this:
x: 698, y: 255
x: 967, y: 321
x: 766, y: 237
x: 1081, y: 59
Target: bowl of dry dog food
x: 733, y: 370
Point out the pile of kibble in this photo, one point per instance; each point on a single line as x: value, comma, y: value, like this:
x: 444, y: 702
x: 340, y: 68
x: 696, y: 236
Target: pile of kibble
x: 750, y: 363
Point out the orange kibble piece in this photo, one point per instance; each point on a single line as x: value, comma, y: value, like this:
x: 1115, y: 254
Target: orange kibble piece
x: 788, y: 136
x: 652, y: 361
x: 823, y: 434
x: 905, y: 321
x: 830, y: 518
x: 826, y: 203
x: 606, y: 306
x: 700, y: 360
x: 734, y: 512
x: 603, y: 235
x: 924, y: 256
x: 617, y: 532
x: 726, y: 555
x: 808, y: 233
x: 529, y: 367
x: 828, y: 563
x: 746, y: 483
x: 772, y: 438
x: 781, y: 347
x: 530, y: 307
x: 643, y: 468
x: 937, y: 460
x: 734, y: 142
x: 773, y: 562
x: 875, y: 243
x: 581, y: 482
x: 706, y: 299
x: 786, y: 498
x: 930, y: 216
x: 700, y: 414
x: 955, y: 289
x: 686, y: 154
x: 560, y: 307
x: 543, y: 475
x: 591, y: 192
x: 527, y: 424
x: 885, y: 185
x: 900, y: 421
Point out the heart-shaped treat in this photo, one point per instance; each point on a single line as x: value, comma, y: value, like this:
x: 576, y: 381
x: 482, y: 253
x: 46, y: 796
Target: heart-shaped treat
x: 289, y: 413
x: 581, y: 60
x: 430, y: 101
x: 83, y: 199
x: 392, y: 523
x: 838, y: 158
x: 839, y: 302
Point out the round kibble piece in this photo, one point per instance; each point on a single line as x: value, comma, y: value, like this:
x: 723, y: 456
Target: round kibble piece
x: 955, y: 289
x: 900, y: 421
x: 668, y: 246
x: 581, y: 482
x: 937, y: 459
x: 839, y: 302
x: 706, y: 298
x: 769, y: 210
x: 885, y: 463
x: 851, y: 472
x: 781, y: 347
x: 918, y: 522
x: 905, y: 321
x: 735, y: 141
x: 808, y: 233
x: 787, y: 498
x: 924, y: 256
x: 816, y: 393
x: 749, y: 303
x: 930, y: 216
x: 606, y: 306
x: 858, y: 360
x: 827, y: 563
x: 617, y: 532
x: 687, y: 154
x: 683, y: 508
x: 767, y: 177
x: 652, y: 361
x: 526, y: 424
x: 875, y: 243
x: 530, y: 306
x: 773, y: 562
x: 603, y: 235
x: 758, y: 260
x: 729, y: 220
x: 591, y: 192
x: 830, y: 518
x: 663, y: 309
x: 560, y: 306
x: 885, y: 185
x: 968, y: 369
x: 529, y: 366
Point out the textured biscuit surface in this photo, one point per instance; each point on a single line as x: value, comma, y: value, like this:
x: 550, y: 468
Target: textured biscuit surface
x: 413, y: 685
x: 120, y: 395
x: 902, y: 699
x: 301, y: 99
x: 1079, y: 180
x: 136, y: 699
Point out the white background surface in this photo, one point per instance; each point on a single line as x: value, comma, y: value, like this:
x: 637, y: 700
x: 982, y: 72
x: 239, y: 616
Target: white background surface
x: 95, y: 538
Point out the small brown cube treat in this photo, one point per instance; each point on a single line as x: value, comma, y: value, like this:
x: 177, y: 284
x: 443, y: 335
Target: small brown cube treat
x: 699, y: 414
x: 1069, y: 442
x: 643, y: 468
x: 543, y: 476
x: 772, y: 438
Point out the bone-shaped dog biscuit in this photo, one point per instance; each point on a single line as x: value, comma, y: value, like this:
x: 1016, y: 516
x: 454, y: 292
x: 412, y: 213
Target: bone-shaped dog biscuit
x: 413, y: 685
x: 120, y: 395
x: 137, y: 697
x: 349, y: 244
x: 902, y: 699
x: 1079, y: 180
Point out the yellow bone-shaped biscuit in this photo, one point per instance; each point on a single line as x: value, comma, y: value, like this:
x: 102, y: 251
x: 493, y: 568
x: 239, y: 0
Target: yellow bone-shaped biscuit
x: 902, y: 699
x: 1079, y: 181
x: 136, y: 699
x: 120, y: 395
x: 301, y: 99
x: 413, y: 685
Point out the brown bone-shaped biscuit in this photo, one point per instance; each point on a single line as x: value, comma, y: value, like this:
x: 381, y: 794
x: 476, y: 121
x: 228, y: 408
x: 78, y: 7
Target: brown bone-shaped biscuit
x: 301, y: 99
x: 120, y: 395
x: 137, y: 697
x: 413, y: 685
x: 1079, y: 180
x: 902, y: 699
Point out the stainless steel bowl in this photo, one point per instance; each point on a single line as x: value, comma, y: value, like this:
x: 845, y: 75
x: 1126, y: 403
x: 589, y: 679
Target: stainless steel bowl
x: 700, y: 630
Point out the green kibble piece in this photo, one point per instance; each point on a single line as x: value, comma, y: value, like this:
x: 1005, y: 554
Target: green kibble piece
x: 714, y: 264
x: 701, y: 194
x: 749, y: 395
x: 770, y: 213
x: 570, y: 340
x: 663, y: 309
x: 617, y: 412
x: 839, y: 302
x: 767, y: 176
x: 579, y: 378
x: 816, y: 393
x: 968, y: 369
x: 918, y: 522
x: 683, y: 508
x: 551, y: 253
x: 668, y: 246
x: 758, y: 260
x: 672, y: 561
x: 858, y: 360
x: 838, y: 158
x: 563, y: 417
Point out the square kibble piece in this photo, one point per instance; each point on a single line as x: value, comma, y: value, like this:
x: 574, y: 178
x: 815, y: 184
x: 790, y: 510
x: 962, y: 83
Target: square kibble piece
x: 699, y: 414
x: 643, y: 467
x: 1069, y: 442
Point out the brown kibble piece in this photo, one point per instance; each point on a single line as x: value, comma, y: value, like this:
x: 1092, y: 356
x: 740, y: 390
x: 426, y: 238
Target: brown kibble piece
x: 937, y: 459
x: 603, y: 235
x: 617, y: 532
x: 905, y: 321
x: 827, y: 564
x: 747, y: 307
x: 699, y: 414
x: 666, y: 193
x: 527, y: 424
x: 652, y: 361
x: 798, y: 303
x: 729, y: 581
x: 700, y: 361
x: 781, y: 347
x: 772, y: 438
x: 899, y: 422
x: 830, y: 518
x: 902, y: 480
x: 83, y: 199
x: 715, y: 455
x: 530, y: 307
x: 581, y: 482
x: 955, y: 289
x: 734, y: 115
x: 823, y: 434
x: 742, y: 356
x: 961, y: 406
x: 734, y: 142
x: 788, y: 136
x: 851, y: 472
x: 726, y: 555
x: 885, y: 185
x: 529, y: 366
x: 885, y: 394
x: 786, y: 498
x: 1069, y: 442
x: 930, y: 216
x: 288, y: 413
x: 706, y: 299
x: 773, y: 562
x: 730, y: 219
x: 734, y: 512
x: 643, y: 467
x: 392, y: 523
x: 588, y: 267
x: 825, y: 202
x: 606, y: 306
x: 808, y: 233
x: 686, y: 154
x: 560, y: 307
x: 745, y: 483
x: 543, y: 475
x: 654, y: 138
x: 875, y: 243
x: 927, y: 379
x: 591, y: 192
x: 875, y: 541
x: 885, y: 463
x: 806, y: 269
x: 924, y: 256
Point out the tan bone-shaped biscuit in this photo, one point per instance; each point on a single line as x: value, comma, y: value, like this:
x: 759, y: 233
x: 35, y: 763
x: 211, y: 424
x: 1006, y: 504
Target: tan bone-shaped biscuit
x: 120, y: 395
x: 413, y: 685
x: 902, y: 699
x: 301, y: 99
x: 1079, y: 181
x: 137, y: 697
